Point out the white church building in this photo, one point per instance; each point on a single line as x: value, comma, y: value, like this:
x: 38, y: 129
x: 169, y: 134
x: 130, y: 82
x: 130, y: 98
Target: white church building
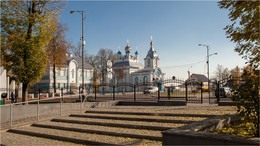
x: 135, y: 73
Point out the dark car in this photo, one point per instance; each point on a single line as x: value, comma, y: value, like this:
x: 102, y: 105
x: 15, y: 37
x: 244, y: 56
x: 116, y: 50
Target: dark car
x: 220, y: 92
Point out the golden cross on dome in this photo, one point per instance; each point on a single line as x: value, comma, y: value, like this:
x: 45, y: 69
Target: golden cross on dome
x: 151, y: 42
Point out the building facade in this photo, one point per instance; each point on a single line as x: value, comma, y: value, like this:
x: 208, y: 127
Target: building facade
x: 128, y: 69
x: 70, y: 74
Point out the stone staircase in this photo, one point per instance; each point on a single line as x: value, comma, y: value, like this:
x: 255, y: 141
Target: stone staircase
x: 110, y: 126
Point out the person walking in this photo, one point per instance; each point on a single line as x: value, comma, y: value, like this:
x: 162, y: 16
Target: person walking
x: 12, y: 97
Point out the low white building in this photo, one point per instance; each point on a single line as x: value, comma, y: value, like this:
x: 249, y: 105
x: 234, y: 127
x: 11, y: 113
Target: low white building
x: 70, y: 74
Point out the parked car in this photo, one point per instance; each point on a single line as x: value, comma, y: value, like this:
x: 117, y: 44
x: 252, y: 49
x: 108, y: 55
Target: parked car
x: 223, y: 92
x: 151, y: 90
x: 220, y: 92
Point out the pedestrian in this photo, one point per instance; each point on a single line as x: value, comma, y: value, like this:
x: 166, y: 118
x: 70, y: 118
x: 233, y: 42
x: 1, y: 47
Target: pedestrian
x: 12, y: 97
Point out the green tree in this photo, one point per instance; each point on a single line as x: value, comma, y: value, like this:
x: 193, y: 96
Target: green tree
x: 244, y: 30
x: 57, y: 50
x: 247, y: 97
x: 27, y: 27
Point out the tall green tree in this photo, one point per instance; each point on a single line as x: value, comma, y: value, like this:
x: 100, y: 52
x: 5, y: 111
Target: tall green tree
x: 247, y: 98
x: 27, y: 27
x: 57, y: 49
x: 244, y: 30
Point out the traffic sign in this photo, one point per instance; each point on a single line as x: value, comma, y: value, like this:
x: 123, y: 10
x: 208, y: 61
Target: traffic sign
x: 109, y: 64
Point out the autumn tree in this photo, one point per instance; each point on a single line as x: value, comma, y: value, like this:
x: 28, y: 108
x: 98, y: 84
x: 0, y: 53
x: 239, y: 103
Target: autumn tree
x: 93, y: 61
x: 244, y: 30
x: 77, y: 51
x: 247, y: 98
x: 119, y: 74
x: 219, y: 71
x: 27, y: 26
x: 235, y: 75
x: 57, y: 49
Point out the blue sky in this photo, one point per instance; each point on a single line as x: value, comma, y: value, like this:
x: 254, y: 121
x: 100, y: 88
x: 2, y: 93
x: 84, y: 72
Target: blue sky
x: 177, y: 28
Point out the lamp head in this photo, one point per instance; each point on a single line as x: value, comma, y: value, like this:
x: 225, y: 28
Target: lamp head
x: 200, y: 44
x: 71, y: 12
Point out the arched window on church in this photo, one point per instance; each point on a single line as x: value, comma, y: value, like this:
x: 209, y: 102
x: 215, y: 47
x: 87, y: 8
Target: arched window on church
x: 148, y: 62
x: 145, y: 80
x: 136, y: 80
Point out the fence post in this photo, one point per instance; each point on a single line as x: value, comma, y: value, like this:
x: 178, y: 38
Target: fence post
x: 11, y: 116
x: 95, y: 92
x: 39, y: 93
x: 218, y: 85
x: 70, y: 91
x: 60, y: 106
x: 38, y: 109
x: 134, y: 93
x: 79, y: 93
x: 186, y: 90
x: 113, y: 92
x: 62, y: 93
x: 158, y: 91
x: 201, y: 101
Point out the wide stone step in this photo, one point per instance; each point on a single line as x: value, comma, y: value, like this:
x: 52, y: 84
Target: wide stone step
x: 204, y: 111
x: 79, y: 137
x: 149, y: 114
x: 128, y: 118
x: 11, y: 139
x: 103, y: 130
x: 119, y: 123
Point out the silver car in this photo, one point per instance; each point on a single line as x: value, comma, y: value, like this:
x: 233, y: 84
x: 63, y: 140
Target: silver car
x: 151, y: 90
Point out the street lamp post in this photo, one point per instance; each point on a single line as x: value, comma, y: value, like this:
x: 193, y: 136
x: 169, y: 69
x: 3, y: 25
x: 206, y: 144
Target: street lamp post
x: 208, y: 66
x: 83, y: 43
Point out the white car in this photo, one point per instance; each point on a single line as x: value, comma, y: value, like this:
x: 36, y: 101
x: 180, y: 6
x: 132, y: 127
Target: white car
x: 151, y: 90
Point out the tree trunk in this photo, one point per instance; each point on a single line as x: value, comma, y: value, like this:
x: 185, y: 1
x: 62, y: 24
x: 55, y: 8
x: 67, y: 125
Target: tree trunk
x: 54, y: 78
x: 25, y: 93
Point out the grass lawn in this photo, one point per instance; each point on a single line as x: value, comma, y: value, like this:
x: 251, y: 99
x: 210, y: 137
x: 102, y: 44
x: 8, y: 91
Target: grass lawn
x: 239, y: 128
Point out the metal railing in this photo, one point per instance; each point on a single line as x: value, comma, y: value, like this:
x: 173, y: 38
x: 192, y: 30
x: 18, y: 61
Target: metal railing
x: 39, y: 102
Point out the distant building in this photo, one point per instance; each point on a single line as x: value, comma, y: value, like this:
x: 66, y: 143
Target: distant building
x: 70, y: 74
x: 195, y: 78
x: 128, y: 68
x: 4, y: 81
x: 7, y: 86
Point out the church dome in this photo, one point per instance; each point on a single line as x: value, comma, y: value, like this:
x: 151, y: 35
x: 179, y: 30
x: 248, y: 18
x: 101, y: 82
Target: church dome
x: 119, y: 53
x: 128, y: 51
x: 136, y: 52
x: 127, y: 46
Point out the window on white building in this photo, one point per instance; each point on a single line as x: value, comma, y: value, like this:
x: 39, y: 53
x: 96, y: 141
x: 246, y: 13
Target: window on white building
x: 58, y: 72
x: 91, y: 74
x: 64, y: 72
x: 86, y: 74
x: 148, y: 62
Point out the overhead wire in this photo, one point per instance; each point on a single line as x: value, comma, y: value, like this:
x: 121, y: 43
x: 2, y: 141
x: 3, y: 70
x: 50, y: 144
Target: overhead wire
x: 183, y: 65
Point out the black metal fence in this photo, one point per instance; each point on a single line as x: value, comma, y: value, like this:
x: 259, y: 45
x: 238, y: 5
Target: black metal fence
x: 190, y: 91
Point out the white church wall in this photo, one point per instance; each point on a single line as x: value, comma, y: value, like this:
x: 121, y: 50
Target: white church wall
x: 3, y: 80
